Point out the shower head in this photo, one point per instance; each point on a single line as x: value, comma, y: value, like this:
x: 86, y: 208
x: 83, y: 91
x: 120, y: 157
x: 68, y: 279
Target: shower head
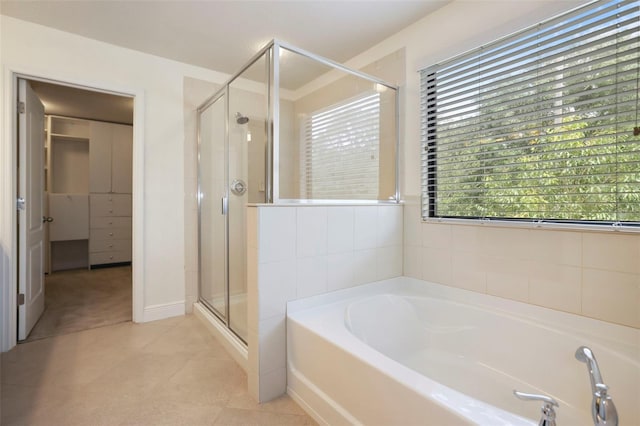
x: 241, y: 119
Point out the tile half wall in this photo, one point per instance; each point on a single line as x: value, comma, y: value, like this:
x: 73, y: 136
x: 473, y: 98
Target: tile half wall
x: 301, y: 251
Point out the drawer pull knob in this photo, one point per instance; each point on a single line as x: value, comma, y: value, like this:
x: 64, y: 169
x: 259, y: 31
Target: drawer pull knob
x: 111, y: 234
x: 110, y: 257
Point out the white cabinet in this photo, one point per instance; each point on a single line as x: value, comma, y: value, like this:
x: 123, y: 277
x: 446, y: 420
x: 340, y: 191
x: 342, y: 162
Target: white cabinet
x: 110, y: 157
x: 110, y: 228
x: 70, y: 213
x: 88, y: 177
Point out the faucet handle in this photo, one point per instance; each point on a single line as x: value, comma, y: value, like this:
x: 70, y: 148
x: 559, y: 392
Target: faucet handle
x: 536, y: 397
x: 548, y: 413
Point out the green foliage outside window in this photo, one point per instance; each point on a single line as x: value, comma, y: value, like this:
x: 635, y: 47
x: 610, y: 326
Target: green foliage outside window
x: 551, y: 143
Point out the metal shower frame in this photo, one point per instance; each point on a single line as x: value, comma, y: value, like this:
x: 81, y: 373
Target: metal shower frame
x: 272, y: 129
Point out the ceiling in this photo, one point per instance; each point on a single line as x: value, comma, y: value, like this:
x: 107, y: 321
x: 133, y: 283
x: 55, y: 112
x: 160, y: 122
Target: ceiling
x: 223, y: 35
x: 218, y: 35
x: 73, y: 102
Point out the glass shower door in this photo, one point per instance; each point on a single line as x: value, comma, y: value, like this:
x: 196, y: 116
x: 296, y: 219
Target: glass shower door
x: 212, y: 191
x: 232, y: 139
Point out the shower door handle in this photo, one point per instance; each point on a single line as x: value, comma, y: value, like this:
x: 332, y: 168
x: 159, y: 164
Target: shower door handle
x: 224, y: 205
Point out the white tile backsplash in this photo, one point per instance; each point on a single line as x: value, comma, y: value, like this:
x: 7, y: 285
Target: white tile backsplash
x: 468, y: 238
x: 272, y: 341
x: 340, y: 221
x: 411, y: 225
x: 252, y: 288
x: 340, y: 271
x: 301, y: 251
x: 273, y: 384
x: 412, y: 262
x: 508, y: 278
x: 311, y: 231
x: 508, y: 243
x: 564, y: 248
x: 389, y: 262
x: 555, y: 286
x: 436, y: 265
x: 311, y: 276
x: 276, y: 286
x: 389, y: 222
x: 469, y: 270
x: 611, y: 296
x: 252, y: 227
x: 364, y: 266
x: 365, y: 227
x: 582, y: 272
x: 611, y: 252
x: 276, y: 234
x: 253, y: 364
x: 436, y: 235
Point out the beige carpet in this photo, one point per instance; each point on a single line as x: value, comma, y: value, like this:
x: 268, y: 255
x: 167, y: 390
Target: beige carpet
x: 81, y: 299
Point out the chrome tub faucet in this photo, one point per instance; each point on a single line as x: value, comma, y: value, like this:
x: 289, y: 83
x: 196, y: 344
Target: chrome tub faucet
x: 603, y: 410
x: 548, y: 417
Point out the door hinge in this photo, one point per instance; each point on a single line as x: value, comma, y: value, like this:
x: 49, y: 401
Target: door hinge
x: 20, y: 203
x: 20, y: 299
x: 21, y: 107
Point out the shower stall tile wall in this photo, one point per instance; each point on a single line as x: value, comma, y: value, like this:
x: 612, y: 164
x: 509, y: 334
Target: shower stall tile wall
x: 301, y: 251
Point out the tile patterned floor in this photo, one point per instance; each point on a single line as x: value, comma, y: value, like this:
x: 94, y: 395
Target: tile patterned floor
x: 169, y: 372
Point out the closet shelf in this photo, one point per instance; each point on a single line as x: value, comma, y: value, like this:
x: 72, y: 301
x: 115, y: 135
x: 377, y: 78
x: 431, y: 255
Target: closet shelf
x: 58, y: 136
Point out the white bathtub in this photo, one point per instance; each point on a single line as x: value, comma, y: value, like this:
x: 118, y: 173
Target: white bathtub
x: 408, y: 352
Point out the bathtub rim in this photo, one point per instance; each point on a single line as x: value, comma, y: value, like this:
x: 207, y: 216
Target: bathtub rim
x: 625, y: 338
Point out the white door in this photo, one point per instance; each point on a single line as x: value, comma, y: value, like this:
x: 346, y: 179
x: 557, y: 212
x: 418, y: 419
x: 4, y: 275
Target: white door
x: 30, y: 216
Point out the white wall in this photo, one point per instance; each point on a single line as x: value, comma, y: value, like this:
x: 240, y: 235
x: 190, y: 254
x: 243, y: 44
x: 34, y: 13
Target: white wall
x: 596, y: 274
x: 44, y: 52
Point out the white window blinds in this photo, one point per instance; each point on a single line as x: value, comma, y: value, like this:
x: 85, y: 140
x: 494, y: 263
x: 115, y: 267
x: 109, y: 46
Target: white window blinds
x: 340, y: 159
x: 540, y: 125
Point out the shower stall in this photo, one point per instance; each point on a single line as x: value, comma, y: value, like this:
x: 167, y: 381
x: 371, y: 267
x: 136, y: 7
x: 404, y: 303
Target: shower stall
x: 289, y: 127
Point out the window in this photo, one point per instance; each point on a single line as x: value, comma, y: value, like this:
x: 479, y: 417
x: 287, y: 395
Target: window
x: 340, y: 159
x: 540, y: 125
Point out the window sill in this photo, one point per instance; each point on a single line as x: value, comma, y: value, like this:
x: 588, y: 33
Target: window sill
x: 579, y: 227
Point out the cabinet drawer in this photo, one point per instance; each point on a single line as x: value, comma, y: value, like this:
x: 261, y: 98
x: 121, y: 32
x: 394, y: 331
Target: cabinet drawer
x: 110, y: 234
x: 110, y: 205
x: 109, y: 257
x: 96, y: 246
x: 110, y: 222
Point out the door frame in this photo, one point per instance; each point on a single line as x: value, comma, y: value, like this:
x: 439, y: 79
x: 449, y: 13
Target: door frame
x: 9, y: 188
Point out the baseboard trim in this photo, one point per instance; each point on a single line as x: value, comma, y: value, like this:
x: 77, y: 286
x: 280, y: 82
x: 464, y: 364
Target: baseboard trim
x: 162, y: 311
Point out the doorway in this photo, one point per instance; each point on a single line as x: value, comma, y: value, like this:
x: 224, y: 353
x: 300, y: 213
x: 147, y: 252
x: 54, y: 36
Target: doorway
x: 77, y: 181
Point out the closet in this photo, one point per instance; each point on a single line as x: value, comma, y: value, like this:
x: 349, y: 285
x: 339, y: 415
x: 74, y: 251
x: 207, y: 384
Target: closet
x: 88, y: 189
